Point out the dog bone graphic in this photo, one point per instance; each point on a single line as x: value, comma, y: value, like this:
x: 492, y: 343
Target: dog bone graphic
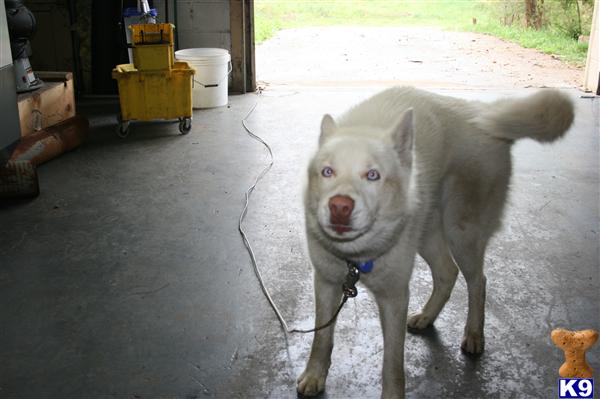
x: 574, y: 344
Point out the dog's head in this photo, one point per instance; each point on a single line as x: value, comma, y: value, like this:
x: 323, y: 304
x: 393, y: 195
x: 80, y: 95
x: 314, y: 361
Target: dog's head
x: 359, y: 184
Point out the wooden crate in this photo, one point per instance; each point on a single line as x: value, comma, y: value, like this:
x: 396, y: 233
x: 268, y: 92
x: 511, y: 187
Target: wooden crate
x: 49, y: 105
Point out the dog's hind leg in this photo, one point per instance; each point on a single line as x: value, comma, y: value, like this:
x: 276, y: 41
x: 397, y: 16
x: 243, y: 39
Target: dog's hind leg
x: 436, y: 253
x: 473, y: 202
x: 468, y: 250
x: 467, y: 238
x: 327, y: 299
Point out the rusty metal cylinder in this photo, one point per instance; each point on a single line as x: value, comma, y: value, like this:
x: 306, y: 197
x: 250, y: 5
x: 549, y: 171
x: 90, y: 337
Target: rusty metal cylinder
x: 52, y: 141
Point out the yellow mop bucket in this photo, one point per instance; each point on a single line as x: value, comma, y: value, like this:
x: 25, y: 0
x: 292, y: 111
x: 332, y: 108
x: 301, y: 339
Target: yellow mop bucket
x: 157, y: 94
x: 153, y: 46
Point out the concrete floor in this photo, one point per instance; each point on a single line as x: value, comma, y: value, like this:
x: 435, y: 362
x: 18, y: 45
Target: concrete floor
x: 127, y: 277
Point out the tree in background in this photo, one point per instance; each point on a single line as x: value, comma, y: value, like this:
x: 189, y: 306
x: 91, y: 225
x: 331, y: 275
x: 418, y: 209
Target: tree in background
x: 534, y: 13
x: 574, y: 17
x: 571, y: 18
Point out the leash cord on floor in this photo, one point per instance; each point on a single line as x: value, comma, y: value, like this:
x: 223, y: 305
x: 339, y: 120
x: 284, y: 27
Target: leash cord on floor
x: 257, y: 272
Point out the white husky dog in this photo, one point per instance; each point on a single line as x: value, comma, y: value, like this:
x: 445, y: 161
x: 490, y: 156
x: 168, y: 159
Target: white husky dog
x: 409, y: 172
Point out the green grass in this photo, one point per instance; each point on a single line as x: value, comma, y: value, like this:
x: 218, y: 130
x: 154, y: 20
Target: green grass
x: 274, y: 15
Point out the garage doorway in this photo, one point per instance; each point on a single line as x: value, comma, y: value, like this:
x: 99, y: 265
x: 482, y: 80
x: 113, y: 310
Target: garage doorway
x: 439, y: 44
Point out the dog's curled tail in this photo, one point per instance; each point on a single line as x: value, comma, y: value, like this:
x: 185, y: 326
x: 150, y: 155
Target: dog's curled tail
x: 544, y: 116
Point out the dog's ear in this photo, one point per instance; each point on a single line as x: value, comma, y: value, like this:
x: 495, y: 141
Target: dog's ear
x: 403, y: 135
x: 328, y: 127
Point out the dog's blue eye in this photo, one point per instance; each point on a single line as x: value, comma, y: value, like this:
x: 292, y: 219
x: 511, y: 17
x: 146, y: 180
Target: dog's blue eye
x: 327, y: 171
x: 373, y: 175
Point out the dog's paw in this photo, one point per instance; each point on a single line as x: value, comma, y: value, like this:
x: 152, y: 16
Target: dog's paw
x: 472, y: 343
x: 311, y: 383
x: 419, y: 321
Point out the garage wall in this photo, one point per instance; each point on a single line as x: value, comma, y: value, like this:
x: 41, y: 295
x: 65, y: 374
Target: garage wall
x: 52, y: 41
x: 226, y: 24
x: 201, y: 23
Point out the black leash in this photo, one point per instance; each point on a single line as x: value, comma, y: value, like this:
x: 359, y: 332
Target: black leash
x: 350, y: 291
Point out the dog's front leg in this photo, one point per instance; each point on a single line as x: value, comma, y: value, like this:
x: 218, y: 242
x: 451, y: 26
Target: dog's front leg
x: 393, y: 306
x: 327, y: 299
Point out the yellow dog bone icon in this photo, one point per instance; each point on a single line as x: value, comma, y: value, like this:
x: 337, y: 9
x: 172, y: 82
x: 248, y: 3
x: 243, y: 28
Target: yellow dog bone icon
x: 574, y: 344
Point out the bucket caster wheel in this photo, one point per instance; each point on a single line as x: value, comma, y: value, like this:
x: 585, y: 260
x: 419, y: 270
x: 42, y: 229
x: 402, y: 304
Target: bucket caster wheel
x: 185, y: 125
x: 122, y: 128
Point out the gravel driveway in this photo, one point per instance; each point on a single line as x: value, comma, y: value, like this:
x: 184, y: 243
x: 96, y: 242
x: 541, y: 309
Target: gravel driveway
x: 425, y: 57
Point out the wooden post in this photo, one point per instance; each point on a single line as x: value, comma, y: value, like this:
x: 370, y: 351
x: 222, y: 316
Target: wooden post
x: 241, y: 18
x: 238, y: 45
x: 250, y: 65
x: 592, y: 65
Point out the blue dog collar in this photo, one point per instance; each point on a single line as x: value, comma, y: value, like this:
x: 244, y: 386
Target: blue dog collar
x: 365, y: 267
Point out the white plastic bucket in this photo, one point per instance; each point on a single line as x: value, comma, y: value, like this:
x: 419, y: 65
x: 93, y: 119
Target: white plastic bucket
x: 213, y: 66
